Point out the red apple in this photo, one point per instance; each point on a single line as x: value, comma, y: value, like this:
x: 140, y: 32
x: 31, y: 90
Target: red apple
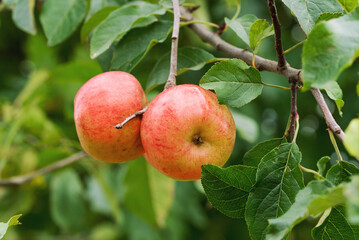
x: 185, y: 127
x: 102, y: 102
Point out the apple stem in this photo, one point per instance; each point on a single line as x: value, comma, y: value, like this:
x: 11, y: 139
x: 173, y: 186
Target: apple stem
x: 171, y: 81
x: 137, y: 114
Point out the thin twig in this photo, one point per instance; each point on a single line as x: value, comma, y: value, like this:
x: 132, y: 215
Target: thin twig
x: 293, y: 107
x: 137, y: 114
x: 282, y: 63
x: 13, y: 181
x: 262, y: 64
x: 332, y: 124
x: 171, y: 81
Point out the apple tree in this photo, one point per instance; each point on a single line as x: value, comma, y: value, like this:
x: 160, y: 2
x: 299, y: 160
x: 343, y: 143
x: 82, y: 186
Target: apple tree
x: 287, y: 70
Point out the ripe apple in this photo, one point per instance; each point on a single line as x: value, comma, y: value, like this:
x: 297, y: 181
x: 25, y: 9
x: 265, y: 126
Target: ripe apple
x: 185, y: 127
x: 102, y: 102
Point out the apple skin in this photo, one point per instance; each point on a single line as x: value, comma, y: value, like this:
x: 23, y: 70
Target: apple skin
x: 102, y: 102
x: 185, y: 127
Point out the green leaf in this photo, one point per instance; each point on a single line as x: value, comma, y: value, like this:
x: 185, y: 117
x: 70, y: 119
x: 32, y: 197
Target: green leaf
x: 188, y: 59
x: 330, y: 48
x: 322, y: 163
x: 9, y: 3
x: 61, y: 18
x: 327, y: 16
x: 168, y: 3
x: 95, y: 20
x: 351, y: 140
x: 352, y: 196
x: 254, y: 156
x: 279, y: 179
x: 131, y: 49
x: 307, y: 11
x: 241, y: 26
x: 336, y: 226
x: 315, y: 198
x: 66, y: 198
x: 247, y: 128
x: 228, y: 189
x: 335, y: 93
x: 234, y: 81
x: 148, y: 193
x: 358, y: 89
x: 259, y: 31
x: 341, y: 172
x: 349, y: 5
x: 118, y: 22
x: 12, y: 222
x: 23, y: 16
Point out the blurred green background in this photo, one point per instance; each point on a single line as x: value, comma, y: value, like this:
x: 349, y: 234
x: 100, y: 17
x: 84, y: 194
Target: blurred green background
x: 94, y: 200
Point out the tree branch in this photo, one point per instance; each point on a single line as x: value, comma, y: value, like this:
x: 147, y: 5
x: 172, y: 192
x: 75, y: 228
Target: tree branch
x: 261, y: 64
x: 137, y: 114
x: 329, y: 119
x: 13, y: 181
x: 171, y: 81
x: 293, y: 107
x: 282, y: 63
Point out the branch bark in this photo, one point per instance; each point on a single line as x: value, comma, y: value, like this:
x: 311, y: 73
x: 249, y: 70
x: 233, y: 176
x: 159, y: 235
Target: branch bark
x: 282, y: 63
x: 171, y: 81
x: 262, y: 64
x: 14, y: 181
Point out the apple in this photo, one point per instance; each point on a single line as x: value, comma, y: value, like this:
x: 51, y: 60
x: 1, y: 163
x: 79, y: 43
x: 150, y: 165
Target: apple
x: 102, y: 102
x: 185, y: 127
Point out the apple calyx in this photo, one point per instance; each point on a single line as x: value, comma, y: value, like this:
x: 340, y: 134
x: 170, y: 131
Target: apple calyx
x: 197, y: 139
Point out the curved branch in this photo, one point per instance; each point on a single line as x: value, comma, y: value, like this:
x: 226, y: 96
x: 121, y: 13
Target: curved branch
x: 13, y: 181
x: 262, y: 64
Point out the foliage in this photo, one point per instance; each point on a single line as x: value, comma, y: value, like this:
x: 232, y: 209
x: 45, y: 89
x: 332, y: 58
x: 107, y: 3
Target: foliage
x: 59, y: 45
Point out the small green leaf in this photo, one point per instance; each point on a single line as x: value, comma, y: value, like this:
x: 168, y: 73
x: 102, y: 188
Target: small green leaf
x: 307, y: 11
x: 131, y: 49
x: 315, y: 198
x: 188, y: 59
x: 228, y: 189
x: 148, y: 193
x: 349, y: 5
x: 241, y: 26
x: 351, y: 140
x: 12, y: 222
x: 95, y: 20
x: 341, y: 172
x: 234, y: 81
x: 335, y: 93
x: 67, y: 206
x: 336, y: 226
x: 352, y: 196
x: 61, y: 18
x: 118, y: 22
x: 254, y: 156
x: 322, y: 164
x: 259, y: 31
x: 331, y: 47
x: 23, y: 16
x: 279, y: 179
